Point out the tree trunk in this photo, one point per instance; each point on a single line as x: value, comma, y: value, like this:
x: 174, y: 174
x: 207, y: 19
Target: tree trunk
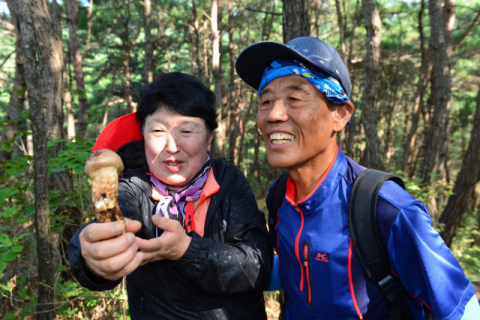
x: 242, y: 131
x: 419, y: 94
x: 76, y: 59
x: 148, y: 61
x: 449, y: 21
x: 464, y: 184
x: 341, y: 28
x: 436, y: 134
x: 296, y: 21
x: 17, y: 98
x: 89, y: 29
x: 233, y: 112
x: 43, y: 65
x: 219, y: 137
x: 196, y: 41
x: 373, y: 24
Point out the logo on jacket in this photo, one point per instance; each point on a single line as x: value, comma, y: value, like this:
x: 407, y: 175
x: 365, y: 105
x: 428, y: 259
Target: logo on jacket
x: 322, y: 257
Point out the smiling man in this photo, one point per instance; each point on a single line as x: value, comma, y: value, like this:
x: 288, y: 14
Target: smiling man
x: 304, y: 90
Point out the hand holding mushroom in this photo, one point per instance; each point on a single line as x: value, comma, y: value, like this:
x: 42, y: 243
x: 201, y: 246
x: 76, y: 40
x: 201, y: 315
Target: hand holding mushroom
x: 103, y: 167
x: 108, y: 248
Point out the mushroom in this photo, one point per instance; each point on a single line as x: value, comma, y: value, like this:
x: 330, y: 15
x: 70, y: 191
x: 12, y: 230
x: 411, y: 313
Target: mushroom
x: 103, y: 167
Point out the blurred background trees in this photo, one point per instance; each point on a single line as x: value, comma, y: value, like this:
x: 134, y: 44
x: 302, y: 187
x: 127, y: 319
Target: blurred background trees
x: 415, y: 78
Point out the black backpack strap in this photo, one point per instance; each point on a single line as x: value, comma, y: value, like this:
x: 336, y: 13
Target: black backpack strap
x: 367, y: 241
x: 277, y: 200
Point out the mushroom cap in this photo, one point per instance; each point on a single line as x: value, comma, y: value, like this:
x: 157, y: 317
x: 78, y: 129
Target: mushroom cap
x: 103, y: 158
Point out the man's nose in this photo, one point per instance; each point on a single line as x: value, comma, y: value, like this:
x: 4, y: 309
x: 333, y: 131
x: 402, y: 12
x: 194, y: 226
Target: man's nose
x: 172, y: 143
x: 278, y: 112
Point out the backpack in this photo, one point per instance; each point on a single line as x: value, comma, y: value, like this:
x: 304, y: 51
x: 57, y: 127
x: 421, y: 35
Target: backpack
x: 365, y: 235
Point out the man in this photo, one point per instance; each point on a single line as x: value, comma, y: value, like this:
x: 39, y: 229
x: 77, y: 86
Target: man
x: 304, y: 91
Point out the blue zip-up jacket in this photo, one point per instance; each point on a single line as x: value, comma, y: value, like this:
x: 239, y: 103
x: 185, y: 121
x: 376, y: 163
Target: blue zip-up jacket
x: 319, y: 268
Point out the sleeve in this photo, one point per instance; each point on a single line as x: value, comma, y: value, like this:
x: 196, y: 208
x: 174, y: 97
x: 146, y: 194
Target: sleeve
x: 426, y: 267
x: 240, y: 263
x: 130, y: 209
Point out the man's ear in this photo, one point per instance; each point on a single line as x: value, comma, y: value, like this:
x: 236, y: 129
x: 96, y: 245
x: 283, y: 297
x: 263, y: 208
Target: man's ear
x: 343, y: 114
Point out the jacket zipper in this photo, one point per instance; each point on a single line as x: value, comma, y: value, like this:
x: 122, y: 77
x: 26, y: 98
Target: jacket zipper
x: 306, y: 263
x: 297, y: 245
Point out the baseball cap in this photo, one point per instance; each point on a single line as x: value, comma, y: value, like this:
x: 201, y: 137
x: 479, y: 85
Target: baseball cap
x: 254, y: 59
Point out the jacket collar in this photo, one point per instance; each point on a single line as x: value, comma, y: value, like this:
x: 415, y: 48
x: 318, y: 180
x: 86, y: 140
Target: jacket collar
x: 325, y: 187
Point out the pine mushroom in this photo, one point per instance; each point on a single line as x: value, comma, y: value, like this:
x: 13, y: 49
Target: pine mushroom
x: 103, y: 167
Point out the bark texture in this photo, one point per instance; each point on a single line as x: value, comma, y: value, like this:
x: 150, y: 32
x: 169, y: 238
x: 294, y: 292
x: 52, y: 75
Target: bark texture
x: 17, y: 98
x: 43, y: 65
x: 233, y: 114
x: 419, y: 94
x: 219, y: 137
x: 373, y: 25
x: 441, y: 70
x: 341, y: 28
x: 147, y: 27
x: 296, y: 21
x: 76, y: 60
x: 464, y: 184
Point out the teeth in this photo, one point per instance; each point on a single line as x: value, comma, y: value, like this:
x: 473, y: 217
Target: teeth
x: 172, y: 163
x: 279, y: 138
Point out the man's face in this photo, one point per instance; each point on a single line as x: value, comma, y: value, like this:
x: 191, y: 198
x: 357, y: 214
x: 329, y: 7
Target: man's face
x: 296, y: 123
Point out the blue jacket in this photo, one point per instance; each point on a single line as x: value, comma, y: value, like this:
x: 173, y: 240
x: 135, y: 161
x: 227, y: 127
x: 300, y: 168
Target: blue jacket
x: 319, y: 268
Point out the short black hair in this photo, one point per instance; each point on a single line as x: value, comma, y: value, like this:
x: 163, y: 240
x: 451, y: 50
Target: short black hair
x: 181, y: 93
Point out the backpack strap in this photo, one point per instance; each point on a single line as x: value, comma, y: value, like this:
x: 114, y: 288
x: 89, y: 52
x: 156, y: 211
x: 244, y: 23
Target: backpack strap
x: 368, y: 244
x: 277, y: 200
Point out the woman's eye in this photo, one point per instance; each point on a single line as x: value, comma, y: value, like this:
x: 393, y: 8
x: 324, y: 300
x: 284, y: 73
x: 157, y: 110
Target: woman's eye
x: 186, y: 131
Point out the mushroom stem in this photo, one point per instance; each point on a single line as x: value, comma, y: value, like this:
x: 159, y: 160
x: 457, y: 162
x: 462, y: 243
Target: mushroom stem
x: 103, y: 167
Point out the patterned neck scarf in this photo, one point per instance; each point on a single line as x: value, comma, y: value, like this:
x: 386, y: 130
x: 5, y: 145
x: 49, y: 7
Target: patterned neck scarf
x: 174, y: 203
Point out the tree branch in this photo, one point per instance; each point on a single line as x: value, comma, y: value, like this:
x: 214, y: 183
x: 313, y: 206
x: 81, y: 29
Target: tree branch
x: 467, y: 32
x: 267, y: 12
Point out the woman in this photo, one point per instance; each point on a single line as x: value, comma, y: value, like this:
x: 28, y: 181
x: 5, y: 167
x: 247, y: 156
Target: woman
x: 196, y: 246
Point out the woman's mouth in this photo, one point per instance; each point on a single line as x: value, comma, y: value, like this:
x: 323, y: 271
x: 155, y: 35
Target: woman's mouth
x: 173, y: 166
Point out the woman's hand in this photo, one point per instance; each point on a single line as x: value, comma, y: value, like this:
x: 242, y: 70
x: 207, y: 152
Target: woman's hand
x: 107, y: 252
x: 171, y: 245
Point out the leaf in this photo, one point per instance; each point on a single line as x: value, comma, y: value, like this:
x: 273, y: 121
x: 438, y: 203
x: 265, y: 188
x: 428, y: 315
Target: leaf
x: 9, y: 256
x: 82, y: 157
x: 4, y: 194
x: 80, y: 170
x: 17, y: 249
x: 5, y: 239
x: 3, y: 265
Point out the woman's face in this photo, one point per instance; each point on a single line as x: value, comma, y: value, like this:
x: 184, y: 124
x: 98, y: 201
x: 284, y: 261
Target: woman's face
x: 176, y: 146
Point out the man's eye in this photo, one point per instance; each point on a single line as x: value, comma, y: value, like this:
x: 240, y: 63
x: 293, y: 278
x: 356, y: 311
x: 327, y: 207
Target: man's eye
x: 293, y: 99
x: 266, y: 102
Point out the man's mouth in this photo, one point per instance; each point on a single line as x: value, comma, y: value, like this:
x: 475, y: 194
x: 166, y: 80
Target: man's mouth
x: 279, y: 138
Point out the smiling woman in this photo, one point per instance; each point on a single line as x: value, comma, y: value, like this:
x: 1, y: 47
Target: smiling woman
x: 196, y: 245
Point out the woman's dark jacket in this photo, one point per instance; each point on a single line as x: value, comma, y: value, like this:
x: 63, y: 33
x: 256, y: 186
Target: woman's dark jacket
x: 220, y: 276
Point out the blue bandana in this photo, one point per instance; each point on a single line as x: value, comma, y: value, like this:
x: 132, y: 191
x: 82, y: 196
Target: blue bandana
x: 328, y: 85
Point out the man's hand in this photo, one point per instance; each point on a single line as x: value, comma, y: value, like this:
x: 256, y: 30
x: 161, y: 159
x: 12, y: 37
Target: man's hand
x: 171, y: 245
x: 107, y: 252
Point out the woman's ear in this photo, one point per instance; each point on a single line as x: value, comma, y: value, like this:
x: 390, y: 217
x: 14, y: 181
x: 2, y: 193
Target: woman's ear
x: 343, y: 114
x: 209, y: 141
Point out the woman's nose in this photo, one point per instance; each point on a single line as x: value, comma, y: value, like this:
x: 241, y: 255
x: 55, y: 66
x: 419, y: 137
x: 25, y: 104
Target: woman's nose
x: 278, y: 112
x: 172, y: 145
